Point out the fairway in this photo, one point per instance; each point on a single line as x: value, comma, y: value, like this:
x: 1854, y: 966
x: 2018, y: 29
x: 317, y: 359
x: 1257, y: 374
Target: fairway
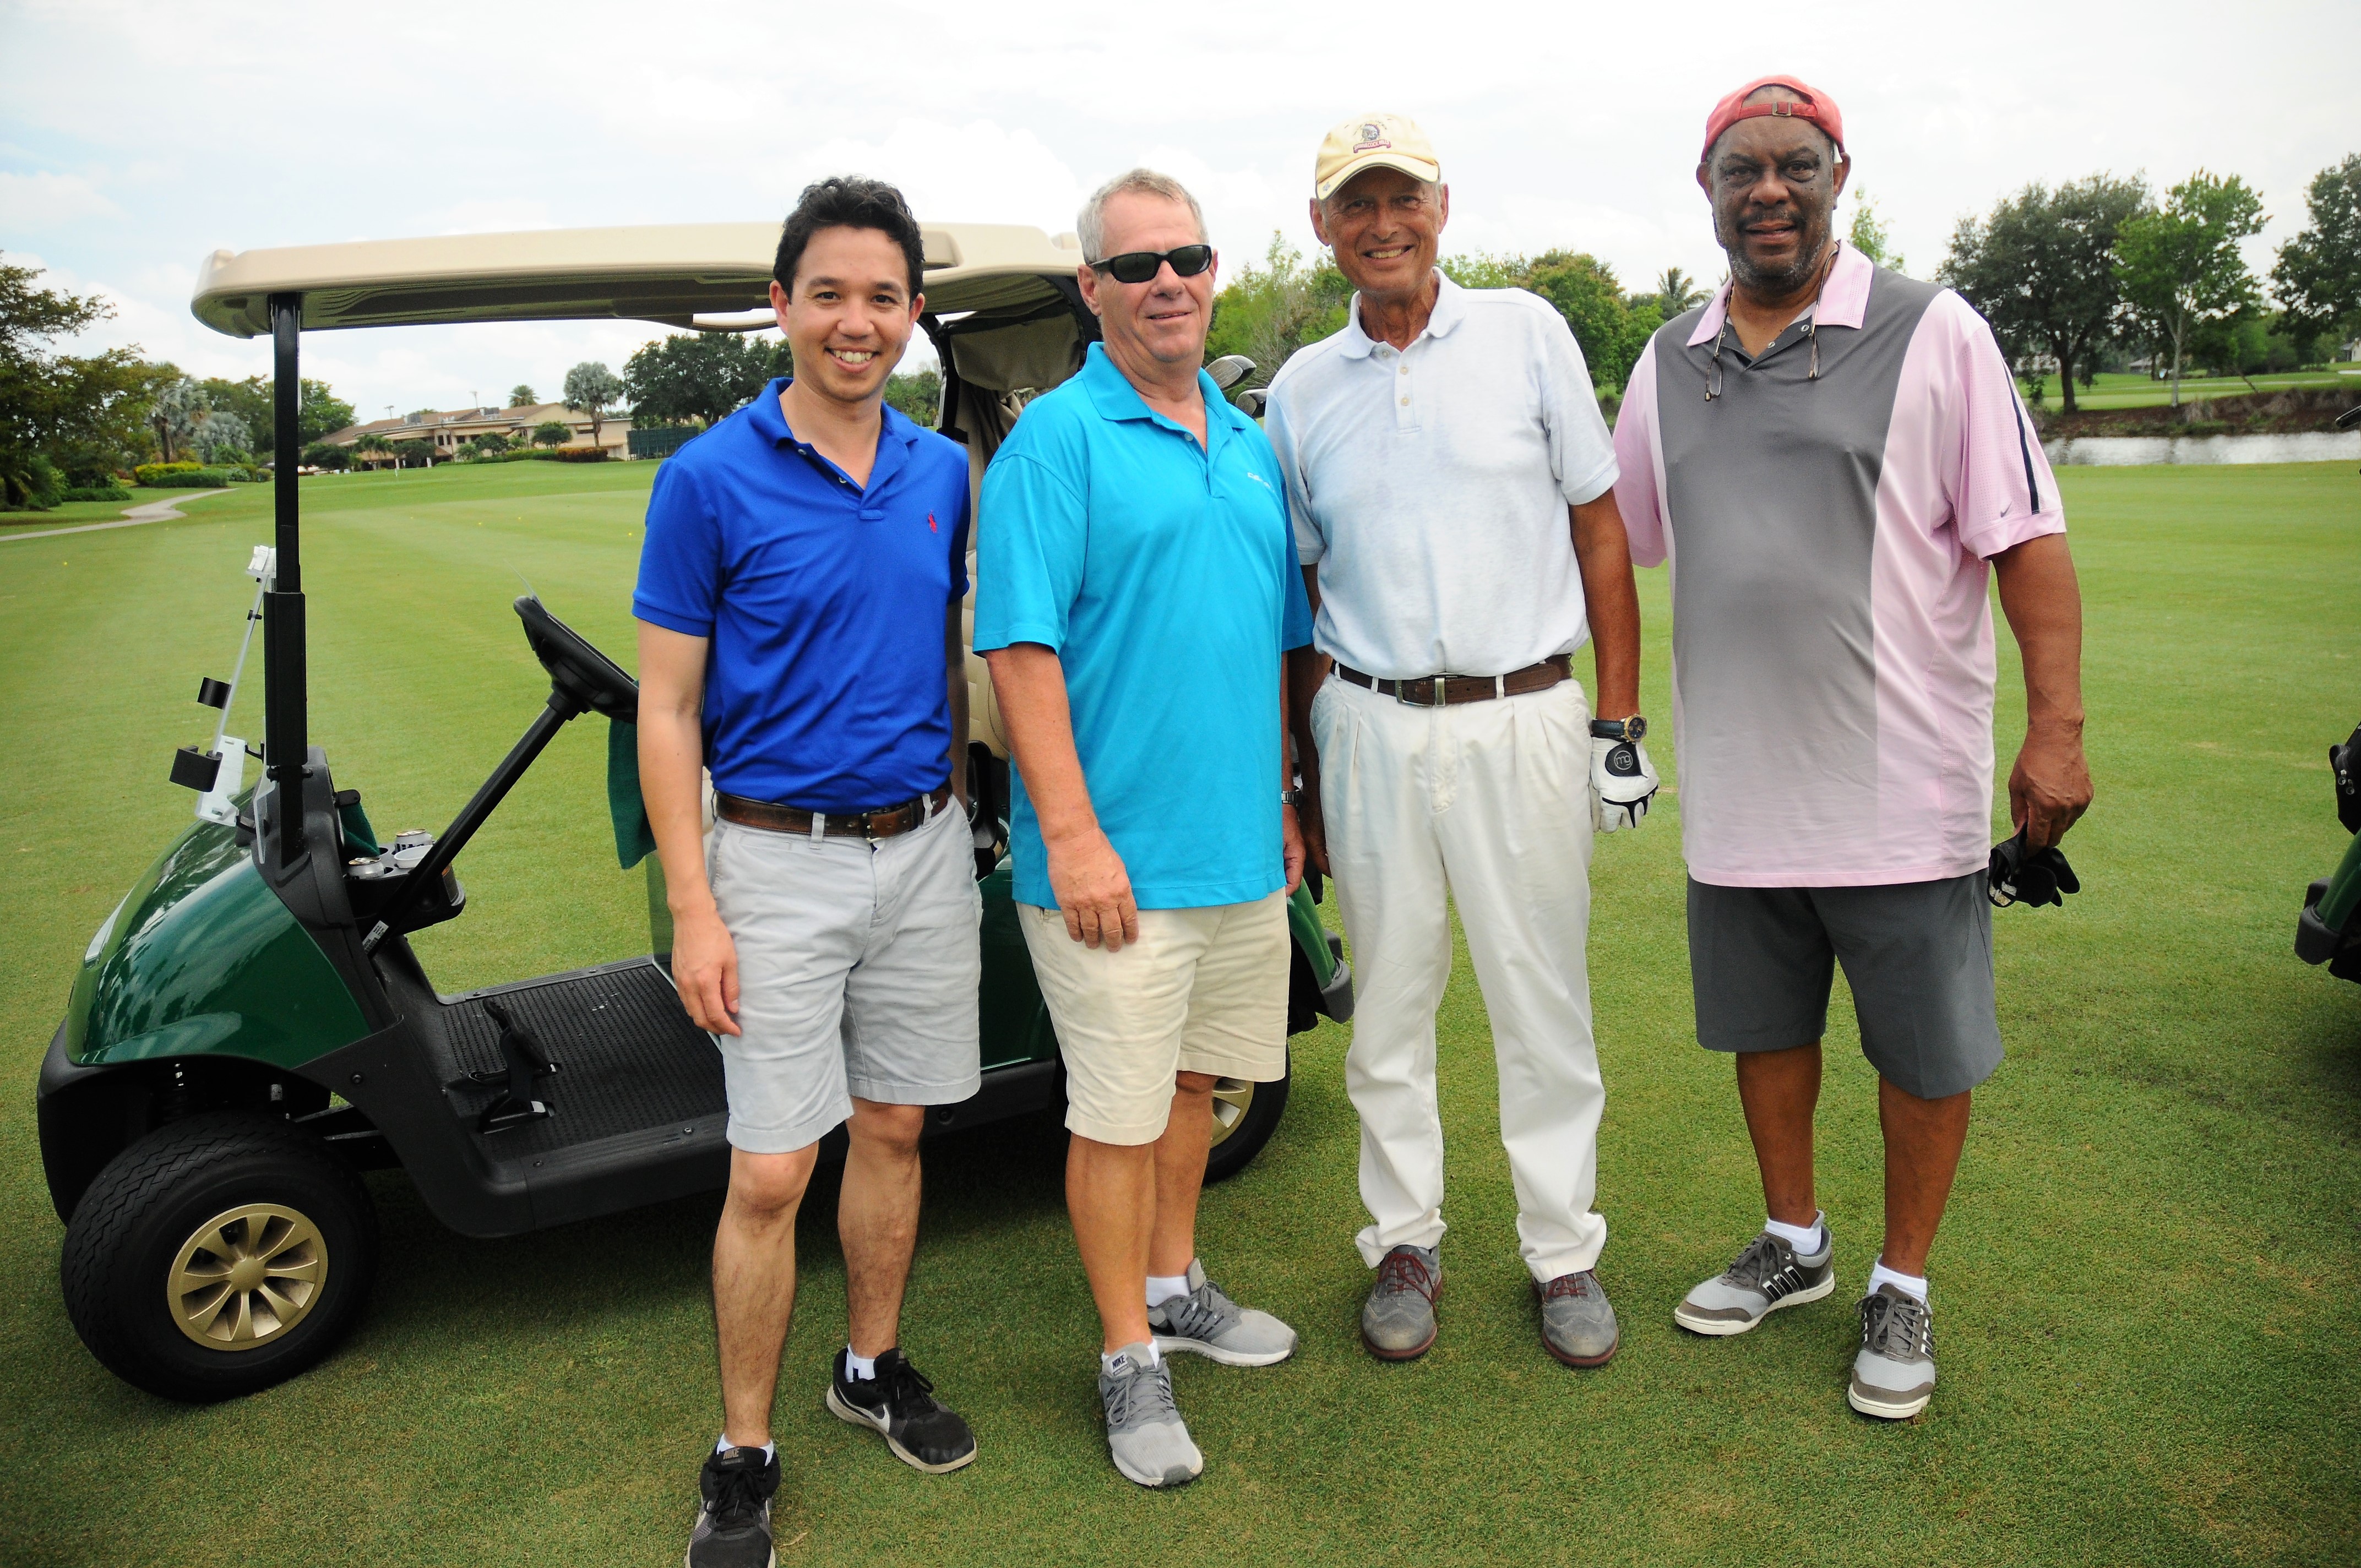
x: 2145, y: 1299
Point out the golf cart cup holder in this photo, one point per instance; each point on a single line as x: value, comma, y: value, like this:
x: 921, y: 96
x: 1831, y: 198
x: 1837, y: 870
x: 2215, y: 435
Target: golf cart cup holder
x: 580, y: 673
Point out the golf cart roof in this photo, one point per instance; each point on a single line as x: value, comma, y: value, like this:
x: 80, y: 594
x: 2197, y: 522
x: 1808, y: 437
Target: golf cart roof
x: 681, y: 275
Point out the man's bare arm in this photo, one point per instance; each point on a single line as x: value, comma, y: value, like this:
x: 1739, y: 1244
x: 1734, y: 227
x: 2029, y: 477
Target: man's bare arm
x: 1604, y: 552
x: 955, y: 679
x: 1307, y: 668
x: 2049, y: 788
x: 671, y: 783
x: 1086, y: 876
x: 1291, y: 831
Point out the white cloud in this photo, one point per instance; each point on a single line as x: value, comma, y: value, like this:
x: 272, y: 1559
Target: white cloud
x: 41, y: 202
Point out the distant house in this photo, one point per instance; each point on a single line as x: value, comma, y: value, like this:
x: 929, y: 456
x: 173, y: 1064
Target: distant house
x: 448, y: 430
x: 2349, y: 350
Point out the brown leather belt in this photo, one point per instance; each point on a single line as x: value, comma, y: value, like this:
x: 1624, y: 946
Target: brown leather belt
x: 886, y: 822
x: 1435, y: 691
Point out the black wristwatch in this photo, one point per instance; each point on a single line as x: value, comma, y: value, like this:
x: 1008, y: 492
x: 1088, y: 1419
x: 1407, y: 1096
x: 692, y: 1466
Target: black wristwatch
x: 1632, y: 729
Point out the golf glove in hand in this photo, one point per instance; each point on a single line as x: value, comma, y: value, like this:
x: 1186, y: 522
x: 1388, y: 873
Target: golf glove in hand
x: 1621, y: 783
x: 2025, y: 875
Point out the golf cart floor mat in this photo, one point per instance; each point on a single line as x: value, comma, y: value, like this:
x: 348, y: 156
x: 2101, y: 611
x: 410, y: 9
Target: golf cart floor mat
x: 628, y: 1059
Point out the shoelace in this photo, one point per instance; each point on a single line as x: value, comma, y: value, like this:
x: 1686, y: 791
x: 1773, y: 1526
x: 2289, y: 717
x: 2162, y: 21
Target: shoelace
x: 1567, y: 1285
x: 1402, y: 1271
x: 737, y: 1496
x: 1885, y: 1318
x: 908, y: 1390
x: 1757, y: 1262
x: 1140, y: 1397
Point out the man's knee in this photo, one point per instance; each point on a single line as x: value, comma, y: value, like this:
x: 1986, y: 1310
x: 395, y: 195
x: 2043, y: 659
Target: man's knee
x: 771, y: 1186
x: 886, y: 1129
x: 1194, y: 1083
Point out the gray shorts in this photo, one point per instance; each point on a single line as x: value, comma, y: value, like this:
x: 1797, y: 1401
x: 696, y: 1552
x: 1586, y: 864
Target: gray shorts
x: 1917, y: 955
x: 856, y: 973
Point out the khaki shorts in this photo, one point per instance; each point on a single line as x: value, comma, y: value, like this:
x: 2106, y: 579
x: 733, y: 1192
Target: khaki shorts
x: 1201, y: 991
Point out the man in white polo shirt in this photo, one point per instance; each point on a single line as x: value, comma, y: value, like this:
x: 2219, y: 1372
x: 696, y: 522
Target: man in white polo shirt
x: 1452, y: 489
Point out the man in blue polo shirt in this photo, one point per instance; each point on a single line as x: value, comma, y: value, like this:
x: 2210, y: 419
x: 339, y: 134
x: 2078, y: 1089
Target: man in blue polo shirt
x: 800, y: 606
x: 1136, y: 595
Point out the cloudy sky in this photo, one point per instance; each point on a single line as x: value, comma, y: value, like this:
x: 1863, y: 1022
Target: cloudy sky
x: 137, y: 138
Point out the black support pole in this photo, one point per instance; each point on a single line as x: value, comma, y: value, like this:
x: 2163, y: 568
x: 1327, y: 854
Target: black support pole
x: 287, y: 717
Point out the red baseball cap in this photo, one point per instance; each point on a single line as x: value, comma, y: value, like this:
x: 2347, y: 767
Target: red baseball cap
x: 1816, y: 107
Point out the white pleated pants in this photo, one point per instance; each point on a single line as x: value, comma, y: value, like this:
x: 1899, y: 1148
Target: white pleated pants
x: 1487, y: 805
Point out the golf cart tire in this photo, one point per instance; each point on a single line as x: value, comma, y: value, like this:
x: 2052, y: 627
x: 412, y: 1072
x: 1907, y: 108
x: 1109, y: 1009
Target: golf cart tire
x: 131, y: 1224
x: 1263, y: 1111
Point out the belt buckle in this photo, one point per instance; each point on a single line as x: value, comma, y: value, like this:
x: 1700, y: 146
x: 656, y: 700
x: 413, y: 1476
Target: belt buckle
x: 1441, y: 700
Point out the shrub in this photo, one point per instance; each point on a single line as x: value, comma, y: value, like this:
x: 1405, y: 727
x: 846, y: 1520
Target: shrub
x: 199, y: 479
x: 95, y: 493
x: 322, y: 455
x: 147, y: 472
x: 29, y: 482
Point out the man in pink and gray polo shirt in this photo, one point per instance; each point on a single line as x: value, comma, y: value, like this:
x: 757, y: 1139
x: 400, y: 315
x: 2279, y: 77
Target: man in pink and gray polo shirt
x: 1832, y: 456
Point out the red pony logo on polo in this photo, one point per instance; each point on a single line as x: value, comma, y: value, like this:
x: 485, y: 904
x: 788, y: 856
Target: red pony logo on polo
x: 930, y: 525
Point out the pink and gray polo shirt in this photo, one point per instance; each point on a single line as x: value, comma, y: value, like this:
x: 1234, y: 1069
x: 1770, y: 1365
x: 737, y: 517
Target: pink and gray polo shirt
x: 1832, y: 641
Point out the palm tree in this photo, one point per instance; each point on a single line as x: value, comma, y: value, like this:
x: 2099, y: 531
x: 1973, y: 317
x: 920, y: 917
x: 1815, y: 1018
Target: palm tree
x: 372, y: 446
x: 1678, y: 291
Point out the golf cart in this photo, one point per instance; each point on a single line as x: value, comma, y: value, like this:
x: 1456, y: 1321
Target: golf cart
x: 251, y: 1028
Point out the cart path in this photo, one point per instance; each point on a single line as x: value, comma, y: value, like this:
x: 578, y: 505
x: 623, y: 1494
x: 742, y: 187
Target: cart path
x: 153, y: 512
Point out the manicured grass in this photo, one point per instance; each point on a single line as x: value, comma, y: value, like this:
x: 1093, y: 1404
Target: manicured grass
x: 73, y: 513
x: 2127, y: 391
x: 2145, y: 1294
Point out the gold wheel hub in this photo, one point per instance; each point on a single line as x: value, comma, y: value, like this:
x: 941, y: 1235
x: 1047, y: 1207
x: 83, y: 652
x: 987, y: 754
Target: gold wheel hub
x: 1231, y: 1098
x: 246, y: 1276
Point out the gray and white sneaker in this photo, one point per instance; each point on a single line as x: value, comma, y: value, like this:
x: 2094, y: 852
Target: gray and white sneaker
x: 1208, y: 1323
x: 1145, y: 1432
x: 1768, y: 1274
x: 1398, y: 1319
x: 1893, y: 1375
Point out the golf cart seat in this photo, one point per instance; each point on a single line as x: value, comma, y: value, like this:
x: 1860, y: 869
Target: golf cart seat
x: 580, y: 673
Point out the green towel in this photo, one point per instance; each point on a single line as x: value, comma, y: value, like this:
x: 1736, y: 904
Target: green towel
x: 634, y: 840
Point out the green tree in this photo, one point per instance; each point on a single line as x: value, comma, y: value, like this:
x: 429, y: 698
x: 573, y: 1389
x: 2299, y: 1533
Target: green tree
x: 552, y: 433
x: 410, y: 454
x: 1267, y: 312
x: 2180, y: 266
x: 172, y: 414
x: 2318, y: 278
x: 2040, y: 268
x: 593, y: 389
x: 522, y: 397
x: 322, y: 454
x: 63, y: 416
x: 372, y: 445
x: 1678, y: 291
x: 1872, y: 236
x: 319, y: 412
x: 491, y: 443
x: 220, y: 433
x: 704, y: 375
x: 1611, y: 328
x: 918, y: 397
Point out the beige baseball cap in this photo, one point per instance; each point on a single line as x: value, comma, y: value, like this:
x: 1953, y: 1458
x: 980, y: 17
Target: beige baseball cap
x: 1373, y: 141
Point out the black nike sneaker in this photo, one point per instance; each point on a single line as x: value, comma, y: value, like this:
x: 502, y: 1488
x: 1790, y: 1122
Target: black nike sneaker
x: 899, y: 1404
x: 733, y: 1516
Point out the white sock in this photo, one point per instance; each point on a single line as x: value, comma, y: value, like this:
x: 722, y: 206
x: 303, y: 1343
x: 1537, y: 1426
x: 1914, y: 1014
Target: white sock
x: 722, y: 1444
x: 1910, y: 1284
x: 1162, y: 1288
x: 858, y: 1367
x: 1106, y: 1358
x: 1810, y: 1240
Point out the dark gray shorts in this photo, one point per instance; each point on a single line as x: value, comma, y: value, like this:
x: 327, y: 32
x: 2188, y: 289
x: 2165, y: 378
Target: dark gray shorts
x: 1918, y: 956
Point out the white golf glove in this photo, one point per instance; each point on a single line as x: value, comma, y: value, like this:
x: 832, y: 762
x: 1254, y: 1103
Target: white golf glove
x: 1622, y: 782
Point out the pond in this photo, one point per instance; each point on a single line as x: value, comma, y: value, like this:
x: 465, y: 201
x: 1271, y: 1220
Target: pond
x: 2111, y: 451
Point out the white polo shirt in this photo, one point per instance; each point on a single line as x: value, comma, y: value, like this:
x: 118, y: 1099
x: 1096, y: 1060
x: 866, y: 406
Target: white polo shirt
x: 1430, y: 486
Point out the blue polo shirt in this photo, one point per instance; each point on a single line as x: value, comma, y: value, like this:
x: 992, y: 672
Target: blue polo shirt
x: 824, y: 600
x: 1164, y: 575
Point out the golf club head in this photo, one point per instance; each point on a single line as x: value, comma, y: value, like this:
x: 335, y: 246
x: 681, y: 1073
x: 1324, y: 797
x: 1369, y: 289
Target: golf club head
x: 1229, y: 370
x: 1253, y: 400
x: 2349, y: 418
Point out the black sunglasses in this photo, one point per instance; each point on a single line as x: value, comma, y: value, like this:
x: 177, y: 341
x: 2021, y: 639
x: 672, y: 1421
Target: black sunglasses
x: 1141, y: 266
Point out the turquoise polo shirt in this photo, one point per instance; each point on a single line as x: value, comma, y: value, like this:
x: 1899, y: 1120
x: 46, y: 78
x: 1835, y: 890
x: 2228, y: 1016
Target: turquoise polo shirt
x: 1163, y: 574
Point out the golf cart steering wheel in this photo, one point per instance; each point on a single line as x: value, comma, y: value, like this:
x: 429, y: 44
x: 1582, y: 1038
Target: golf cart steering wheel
x: 577, y: 671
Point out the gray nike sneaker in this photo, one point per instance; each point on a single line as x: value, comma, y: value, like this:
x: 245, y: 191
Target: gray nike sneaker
x: 1577, y: 1321
x: 1208, y: 1323
x: 1145, y: 1432
x: 1893, y: 1375
x: 1398, y: 1319
x: 1768, y: 1274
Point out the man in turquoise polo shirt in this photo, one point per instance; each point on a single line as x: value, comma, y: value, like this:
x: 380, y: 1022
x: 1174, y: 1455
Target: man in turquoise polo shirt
x: 1137, y: 594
